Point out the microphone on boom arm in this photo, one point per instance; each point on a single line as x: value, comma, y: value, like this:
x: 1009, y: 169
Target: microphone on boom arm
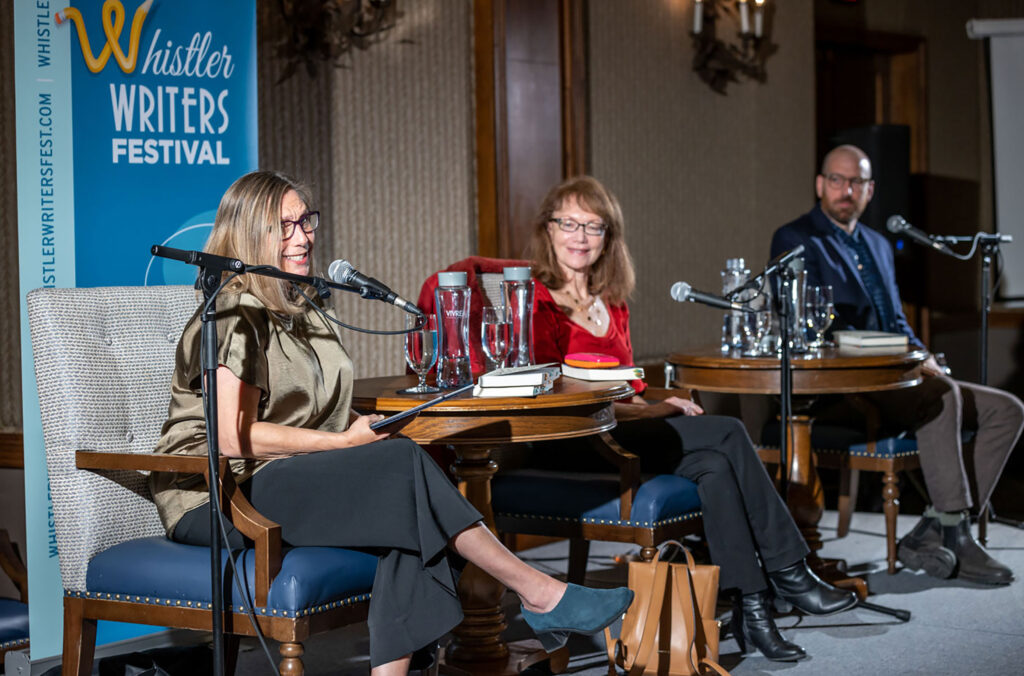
x: 681, y: 292
x: 342, y: 272
x: 899, y: 226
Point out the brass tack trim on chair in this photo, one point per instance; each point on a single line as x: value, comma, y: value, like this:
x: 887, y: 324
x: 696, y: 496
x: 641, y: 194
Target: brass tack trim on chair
x: 604, y: 522
x: 16, y: 643
x: 261, y: 610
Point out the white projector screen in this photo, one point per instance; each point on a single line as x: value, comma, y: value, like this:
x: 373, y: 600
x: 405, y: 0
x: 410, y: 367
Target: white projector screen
x: 1006, y: 58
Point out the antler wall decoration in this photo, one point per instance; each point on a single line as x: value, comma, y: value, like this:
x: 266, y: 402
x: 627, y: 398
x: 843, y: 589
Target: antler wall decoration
x: 324, y: 30
x: 720, y: 59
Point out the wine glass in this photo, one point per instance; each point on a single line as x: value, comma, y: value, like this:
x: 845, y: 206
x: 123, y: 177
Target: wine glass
x: 496, y: 335
x: 819, y: 312
x: 421, y: 351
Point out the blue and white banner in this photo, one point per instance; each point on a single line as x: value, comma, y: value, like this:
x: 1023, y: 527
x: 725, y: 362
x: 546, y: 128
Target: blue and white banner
x: 132, y: 119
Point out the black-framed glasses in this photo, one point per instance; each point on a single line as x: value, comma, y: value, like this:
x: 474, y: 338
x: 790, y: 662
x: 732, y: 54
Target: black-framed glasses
x: 309, y: 222
x: 593, y: 228
x: 839, y: 182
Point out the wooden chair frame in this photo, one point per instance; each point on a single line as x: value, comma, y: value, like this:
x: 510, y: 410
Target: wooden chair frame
x: 850, y: 466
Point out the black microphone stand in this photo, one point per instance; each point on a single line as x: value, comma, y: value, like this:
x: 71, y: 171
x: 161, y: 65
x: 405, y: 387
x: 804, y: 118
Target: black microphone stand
x: 783, y: 307
x: 211, y: 273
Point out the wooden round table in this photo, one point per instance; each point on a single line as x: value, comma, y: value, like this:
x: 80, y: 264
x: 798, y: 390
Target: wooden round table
x: 474, y: 427
x: 829, y: 371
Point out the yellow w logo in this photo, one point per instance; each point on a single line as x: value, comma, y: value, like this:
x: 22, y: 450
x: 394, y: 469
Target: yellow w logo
x: 112, y: 29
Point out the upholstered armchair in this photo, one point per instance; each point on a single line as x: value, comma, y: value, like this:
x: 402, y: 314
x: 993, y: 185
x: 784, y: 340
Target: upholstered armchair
x: 103, y: 362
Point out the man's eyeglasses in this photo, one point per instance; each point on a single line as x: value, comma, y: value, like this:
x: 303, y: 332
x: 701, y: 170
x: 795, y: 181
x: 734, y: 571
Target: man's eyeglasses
x: 308, y: 221
x: 593, y: 228
x: 839, y: 182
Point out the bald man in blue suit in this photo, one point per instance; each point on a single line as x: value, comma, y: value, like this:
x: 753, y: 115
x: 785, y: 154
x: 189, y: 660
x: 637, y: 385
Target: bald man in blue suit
x: 858, y: 263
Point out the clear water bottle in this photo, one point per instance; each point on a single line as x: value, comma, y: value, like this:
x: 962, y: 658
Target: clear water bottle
x: 517, y: 289
x: 451, y: 303
x: 733, y: 276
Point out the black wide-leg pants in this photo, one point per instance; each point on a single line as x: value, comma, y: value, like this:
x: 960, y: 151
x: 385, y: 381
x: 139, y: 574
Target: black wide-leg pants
x: 388, y: 498
x: 744, y: 517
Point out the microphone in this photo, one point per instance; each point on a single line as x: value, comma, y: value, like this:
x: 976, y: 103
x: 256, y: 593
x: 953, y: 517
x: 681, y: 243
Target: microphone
x: 681, y: 291
x: 780, y: 261
x: 899, y: 226
x: 342, y: 272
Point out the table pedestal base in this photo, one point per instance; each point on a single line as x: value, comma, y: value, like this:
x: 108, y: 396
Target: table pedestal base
x: 477, y: 647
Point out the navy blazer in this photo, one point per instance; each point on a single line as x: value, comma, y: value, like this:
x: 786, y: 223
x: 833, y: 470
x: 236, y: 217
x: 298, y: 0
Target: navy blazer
x: 828, y: 261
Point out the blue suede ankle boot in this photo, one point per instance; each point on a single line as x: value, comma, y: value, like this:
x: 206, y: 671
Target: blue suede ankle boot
x: 582, y: 610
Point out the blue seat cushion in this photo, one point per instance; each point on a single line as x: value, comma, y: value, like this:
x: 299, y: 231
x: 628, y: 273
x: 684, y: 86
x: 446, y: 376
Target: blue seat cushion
x: 163, y: 572
x: 13, y: 623
x: 825, y: 437
x: 662, y: 499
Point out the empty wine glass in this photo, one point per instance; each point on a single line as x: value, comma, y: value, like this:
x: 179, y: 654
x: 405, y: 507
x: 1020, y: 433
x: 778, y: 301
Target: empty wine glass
x: 819, y: 313
x: 496, y: 335
x: 421, y: 351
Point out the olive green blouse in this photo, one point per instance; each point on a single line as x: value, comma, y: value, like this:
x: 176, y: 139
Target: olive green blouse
x: 299, y: 364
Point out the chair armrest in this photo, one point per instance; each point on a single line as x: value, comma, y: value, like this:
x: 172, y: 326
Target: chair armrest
x: 262, y: 531
x: 11, y: 563
x: 629, y: 469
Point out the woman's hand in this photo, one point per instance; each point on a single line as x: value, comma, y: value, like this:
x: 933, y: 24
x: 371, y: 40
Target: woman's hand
x: 637, y: 408
x: 684, y: 406
x: 359, y: 431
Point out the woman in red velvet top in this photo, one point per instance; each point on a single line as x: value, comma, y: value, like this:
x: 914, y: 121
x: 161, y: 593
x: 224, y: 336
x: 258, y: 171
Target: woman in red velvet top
x: 585, y: 274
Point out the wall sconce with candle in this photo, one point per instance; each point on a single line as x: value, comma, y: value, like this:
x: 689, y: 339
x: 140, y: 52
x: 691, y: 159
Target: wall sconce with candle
x: 721, y: 59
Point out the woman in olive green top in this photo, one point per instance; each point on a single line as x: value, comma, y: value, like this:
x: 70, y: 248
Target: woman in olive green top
x: 284, y: 387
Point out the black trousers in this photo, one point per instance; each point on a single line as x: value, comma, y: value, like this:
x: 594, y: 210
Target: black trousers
x: 388, y: 498
x: 744, y: 518
x: 746, y: 523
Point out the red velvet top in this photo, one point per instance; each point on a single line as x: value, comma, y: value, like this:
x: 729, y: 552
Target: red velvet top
x: 555, y: 335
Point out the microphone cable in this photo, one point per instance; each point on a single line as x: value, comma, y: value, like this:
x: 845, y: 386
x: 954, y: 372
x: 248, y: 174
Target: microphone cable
x: 422, y: 319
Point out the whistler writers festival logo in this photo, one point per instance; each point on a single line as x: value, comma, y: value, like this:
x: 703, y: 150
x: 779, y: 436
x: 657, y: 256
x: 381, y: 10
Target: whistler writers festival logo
x: 163, y: 120
x: 164, y: 108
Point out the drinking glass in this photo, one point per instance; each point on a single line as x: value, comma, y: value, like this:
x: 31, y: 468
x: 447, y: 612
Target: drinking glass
x: 496, y: 335
x: 421, y: 351
x: 819, y: 313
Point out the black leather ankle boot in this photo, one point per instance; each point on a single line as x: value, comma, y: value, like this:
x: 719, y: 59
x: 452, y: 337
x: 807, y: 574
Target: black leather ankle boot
x: 753, y: 626
x: 974, y: 563
x: 798, y: 585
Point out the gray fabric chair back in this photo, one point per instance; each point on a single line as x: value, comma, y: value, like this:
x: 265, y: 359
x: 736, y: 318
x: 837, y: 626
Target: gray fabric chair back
x: 103, y: 362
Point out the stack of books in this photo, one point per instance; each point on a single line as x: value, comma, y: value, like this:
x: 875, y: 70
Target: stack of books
x: 520, y: 381
x: 617, y: 373
x: 870, y: 342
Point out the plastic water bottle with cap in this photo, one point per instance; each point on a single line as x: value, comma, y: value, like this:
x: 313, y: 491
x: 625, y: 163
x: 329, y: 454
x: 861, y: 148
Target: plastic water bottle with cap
x: 517, y: 289
x: 734, y: 276
x: 451, y: 300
